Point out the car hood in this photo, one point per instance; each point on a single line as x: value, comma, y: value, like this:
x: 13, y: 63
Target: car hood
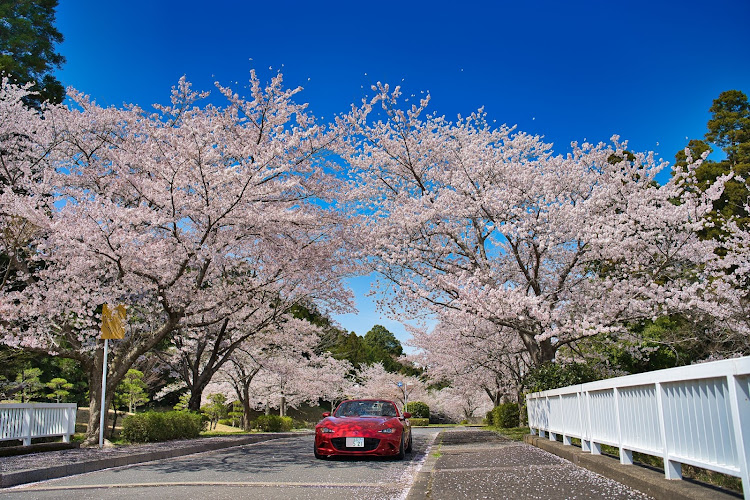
x: 361, y: 422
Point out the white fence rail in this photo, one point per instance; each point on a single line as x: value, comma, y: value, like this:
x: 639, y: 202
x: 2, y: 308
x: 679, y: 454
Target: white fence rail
x: 697, y: 415
x: 35, y: 420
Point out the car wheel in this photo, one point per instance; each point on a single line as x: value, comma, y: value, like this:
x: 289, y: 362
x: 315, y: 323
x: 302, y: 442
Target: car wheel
x: 409, y: 446
x: 401, y: 452
x: 318, y: 455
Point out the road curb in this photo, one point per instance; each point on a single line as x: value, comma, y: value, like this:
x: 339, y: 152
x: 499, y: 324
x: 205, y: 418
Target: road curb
x: 420, y: 488
x: 645, y: 480
x: 35, y: 475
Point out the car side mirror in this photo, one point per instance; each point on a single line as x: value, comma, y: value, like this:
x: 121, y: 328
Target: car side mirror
x: 326, y: 414
x: 407, y: 414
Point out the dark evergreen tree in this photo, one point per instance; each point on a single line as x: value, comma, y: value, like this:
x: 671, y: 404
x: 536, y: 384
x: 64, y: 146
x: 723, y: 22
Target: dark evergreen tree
x: 27, y: 47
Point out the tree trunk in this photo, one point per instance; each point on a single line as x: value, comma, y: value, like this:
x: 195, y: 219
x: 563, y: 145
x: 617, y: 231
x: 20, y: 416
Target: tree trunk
x: 114, y: 421
x: 95, y: 395
x: 282, y: 406
x: 95, y: 400
x: 540, y: 352
x: 246, y: 414
x: 196, y: 394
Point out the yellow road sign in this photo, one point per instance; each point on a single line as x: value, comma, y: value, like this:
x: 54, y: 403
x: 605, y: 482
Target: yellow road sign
x: 112, y: 322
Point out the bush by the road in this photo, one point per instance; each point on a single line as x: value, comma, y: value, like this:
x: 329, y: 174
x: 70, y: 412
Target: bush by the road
x: 273, y: 423
x: 154, y: 426
x: 418, y: 409
x: 419, y: 422
x: 504, y: 415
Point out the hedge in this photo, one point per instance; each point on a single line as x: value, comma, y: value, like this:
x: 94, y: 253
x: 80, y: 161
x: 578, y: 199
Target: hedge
x: 504, y: 415
x: 154, y: 426
x: 273, y: 423
x: 419, y: 422
x: 418, y: 409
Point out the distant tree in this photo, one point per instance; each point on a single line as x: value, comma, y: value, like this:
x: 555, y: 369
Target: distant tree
x: 28, y: 383
x: 729, y: 126
x: 353, y: 348
x: 697, y: 147
x: 380, y: 338
x: 27, y: 48
x: 182, y: 404
x: 60, y: 389
x: 216, y: 409
x: 237, y: 413
x: 132, y: 390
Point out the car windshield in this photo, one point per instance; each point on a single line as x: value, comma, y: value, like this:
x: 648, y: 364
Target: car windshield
x: 366, y: 409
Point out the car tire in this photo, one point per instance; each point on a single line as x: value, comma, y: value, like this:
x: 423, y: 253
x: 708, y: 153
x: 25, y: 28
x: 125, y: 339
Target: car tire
x: 409, y: 447
x: 401, y: 451
x: 318, y: 455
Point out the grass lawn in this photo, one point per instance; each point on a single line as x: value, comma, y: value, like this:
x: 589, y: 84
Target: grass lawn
x: 514, y: 433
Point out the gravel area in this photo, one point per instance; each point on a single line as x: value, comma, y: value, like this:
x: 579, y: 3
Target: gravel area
x: 48, y: 459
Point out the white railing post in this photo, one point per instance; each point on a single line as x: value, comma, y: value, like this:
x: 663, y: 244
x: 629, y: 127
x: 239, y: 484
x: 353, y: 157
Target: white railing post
x: 552, y: 434
x: 66, y: 425
x: 672, y: 469
x: 73, y: 413
x: 564, y: 425
x: 739, y: 403
x: 586, y: 431
x: 26, y: 426
x: 626, y: 456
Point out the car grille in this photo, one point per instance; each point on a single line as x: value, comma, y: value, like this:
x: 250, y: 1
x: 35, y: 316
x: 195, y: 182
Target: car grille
x: 370, y: 444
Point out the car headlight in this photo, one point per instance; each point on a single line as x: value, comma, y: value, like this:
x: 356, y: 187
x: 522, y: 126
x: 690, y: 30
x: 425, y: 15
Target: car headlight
x: 326, y: 430
x: 389, y: 430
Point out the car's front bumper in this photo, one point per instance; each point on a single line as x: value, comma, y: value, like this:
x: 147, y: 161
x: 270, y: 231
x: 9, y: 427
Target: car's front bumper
x: 375, y: 444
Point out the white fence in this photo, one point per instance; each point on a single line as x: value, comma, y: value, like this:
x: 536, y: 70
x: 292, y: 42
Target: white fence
x: 697, y: 415
x: 35, y: 420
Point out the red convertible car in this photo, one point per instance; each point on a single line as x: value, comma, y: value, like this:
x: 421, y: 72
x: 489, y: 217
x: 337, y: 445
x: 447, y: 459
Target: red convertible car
x: 362, y: 427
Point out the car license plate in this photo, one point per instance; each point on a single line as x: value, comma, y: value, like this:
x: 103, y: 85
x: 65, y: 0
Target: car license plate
x: 355, y: 442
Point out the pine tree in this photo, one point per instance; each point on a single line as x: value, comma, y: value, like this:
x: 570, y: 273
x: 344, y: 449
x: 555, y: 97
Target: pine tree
x: 27, y: 48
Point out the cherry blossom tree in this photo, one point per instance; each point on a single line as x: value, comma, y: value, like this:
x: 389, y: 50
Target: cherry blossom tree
x: 459, y: 403
x: 279, y: 368
x: 472, y: 354
x: 198, y: 354
x: 467, y: 218
x: 192, y: 216
x: 376, y: 382
x: 733, y: 282
x: 25, y: 144
x: 331, y: 382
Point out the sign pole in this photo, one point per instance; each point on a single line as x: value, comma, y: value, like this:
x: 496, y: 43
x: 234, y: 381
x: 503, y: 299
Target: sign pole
x: 104, y: 389
x: 111, y: 329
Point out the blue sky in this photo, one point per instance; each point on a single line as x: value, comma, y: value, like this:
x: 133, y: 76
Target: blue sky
x: 568, y: 70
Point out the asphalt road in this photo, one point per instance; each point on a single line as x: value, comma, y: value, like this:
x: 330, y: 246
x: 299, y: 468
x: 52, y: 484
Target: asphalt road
x: 278, y: 469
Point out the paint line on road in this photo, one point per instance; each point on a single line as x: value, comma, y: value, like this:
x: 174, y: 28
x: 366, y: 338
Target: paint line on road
x: 266, y: 484
x: 502, y: 467
x: 413, y: 470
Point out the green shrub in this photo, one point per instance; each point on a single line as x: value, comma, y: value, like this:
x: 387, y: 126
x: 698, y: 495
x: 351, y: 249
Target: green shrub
x: 464, y: 422
x: 153, y: 426
x: 273, y: 423
x: 418, y: 409
x: 226, y: 421
x: 302, y: 424
x: 489, y: 418
x: 505, y: 415
x: 551, y: 375
x: 419, y: 422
